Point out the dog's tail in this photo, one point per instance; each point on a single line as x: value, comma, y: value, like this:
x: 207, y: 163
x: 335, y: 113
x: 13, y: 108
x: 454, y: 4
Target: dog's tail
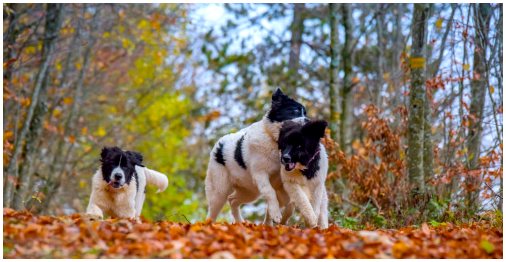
x: 156, y: 178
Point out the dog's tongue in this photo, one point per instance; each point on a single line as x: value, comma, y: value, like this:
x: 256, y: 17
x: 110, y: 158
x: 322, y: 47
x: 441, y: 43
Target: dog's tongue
x: 289, y: 166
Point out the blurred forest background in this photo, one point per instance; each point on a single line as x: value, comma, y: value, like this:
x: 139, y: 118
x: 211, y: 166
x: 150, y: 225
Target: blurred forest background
x: 413, y: 94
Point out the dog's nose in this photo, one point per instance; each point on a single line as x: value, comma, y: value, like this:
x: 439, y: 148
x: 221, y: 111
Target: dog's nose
x: 117, y: 176
x: 286, y: 158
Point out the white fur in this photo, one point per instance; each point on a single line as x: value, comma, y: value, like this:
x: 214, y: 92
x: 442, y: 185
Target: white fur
x: 261, y: 177
x: 124, y: 202
x: 309, y: 196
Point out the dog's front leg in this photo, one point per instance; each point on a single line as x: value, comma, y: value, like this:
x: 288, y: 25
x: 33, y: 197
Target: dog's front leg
x: 267, y: 219
x: 132, y: 212
x: 93, y: 209
x: 287, y: 213
x: 267, y: 191
x: 316, y: 200
x: 301, y: 201
x: 323, y: 219
x: 127, y: 211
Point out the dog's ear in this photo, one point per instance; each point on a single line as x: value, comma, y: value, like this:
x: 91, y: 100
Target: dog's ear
x: 315, y: 128
x: 104, y: 153
x: 135, y: 157
x: 277, y: 95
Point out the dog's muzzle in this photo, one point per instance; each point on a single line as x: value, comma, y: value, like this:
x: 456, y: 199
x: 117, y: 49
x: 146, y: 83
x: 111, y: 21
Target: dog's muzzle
x: 300, y: 120
x: 286, y: 160
x: 117, y: 178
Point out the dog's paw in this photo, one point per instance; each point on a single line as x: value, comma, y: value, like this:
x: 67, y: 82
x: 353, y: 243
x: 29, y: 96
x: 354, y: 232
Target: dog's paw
x: 92, y: 217
x: 275, y: 215
x: 323, y: 226
x: 312, y: 221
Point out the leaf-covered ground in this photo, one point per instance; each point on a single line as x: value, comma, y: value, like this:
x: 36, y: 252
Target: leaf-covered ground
x: 29, y: 236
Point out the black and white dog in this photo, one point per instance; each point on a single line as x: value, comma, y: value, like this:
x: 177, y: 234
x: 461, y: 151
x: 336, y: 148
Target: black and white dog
x: 304, y: 170
x: 118, y: 187
x: 245, y: 165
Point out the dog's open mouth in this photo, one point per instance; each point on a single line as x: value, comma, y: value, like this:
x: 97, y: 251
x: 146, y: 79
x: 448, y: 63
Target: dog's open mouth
x: 289, y: 166
x: 115, y: 184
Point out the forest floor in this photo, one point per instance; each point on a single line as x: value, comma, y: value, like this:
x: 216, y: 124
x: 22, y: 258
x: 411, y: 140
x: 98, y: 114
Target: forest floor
x: 30, y: 236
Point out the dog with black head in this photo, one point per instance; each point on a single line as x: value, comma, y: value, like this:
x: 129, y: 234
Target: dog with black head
x: 244, y: 166
x: 304, y: 170
x: 118, y: 186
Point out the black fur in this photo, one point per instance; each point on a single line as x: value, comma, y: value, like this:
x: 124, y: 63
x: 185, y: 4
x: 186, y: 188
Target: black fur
x: 238, y: 153
x: 110, y: 157
x: 284, y: 108
x: 218, y: 155
x: 301, y: 144
x: 312, y: 168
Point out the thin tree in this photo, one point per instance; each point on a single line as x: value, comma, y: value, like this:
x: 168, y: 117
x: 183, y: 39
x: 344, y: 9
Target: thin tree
x: 346, y: 99
x: 482, y: 14
x: 417, y: 98
x: 297, y: 29
x: 334, y: 91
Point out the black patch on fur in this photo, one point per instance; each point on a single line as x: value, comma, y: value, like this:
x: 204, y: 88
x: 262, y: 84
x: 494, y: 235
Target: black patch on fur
x: 284, y: 108
x: 218, y: 155
x: 110, y: 158
x: 136, y: 181
x: 302, y: 143
x: 238, y: 153
x: 312, y: 168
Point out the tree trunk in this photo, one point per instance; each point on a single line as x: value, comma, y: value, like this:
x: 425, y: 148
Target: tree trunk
x: 27, y: 153
x: 428, y: 153
x: 334, y: 91
x: 297, y: 28
x: 346, y: 99
x: 381, y: 57
x: 52, y: 29
x: 482, y: 13
x: 397, y: 74
x: 9, y: 41
x: 417, y: 99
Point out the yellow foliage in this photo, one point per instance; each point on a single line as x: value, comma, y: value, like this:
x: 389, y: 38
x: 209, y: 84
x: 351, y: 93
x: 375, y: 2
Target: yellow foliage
x: 439, y: 24
x: 417, y: 62
x: 30, y: 50
x: 25, y: 101
x: 68, y: 100
x: 101, y: 131
x: 8, y: 135
x: 56, y: 113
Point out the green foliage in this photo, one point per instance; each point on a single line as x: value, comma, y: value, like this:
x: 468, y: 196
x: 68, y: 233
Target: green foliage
x: 340, y: 218
x: 487, y: 246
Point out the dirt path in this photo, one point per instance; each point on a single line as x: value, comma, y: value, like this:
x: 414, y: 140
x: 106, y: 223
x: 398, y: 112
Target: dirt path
x: 29, y: 236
